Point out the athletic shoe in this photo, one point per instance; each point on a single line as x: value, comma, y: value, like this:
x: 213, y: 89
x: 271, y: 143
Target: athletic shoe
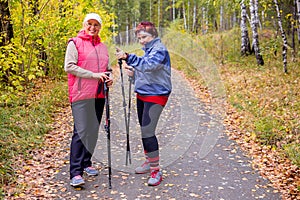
x: 144, y: 168
x: 156, y: 178
x: 91, y: 171
x: 77, y: 180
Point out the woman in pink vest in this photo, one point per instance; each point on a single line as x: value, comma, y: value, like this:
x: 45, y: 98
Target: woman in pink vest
x: 87, y: 65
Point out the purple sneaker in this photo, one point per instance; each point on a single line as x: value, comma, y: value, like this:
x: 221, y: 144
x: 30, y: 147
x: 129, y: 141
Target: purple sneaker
x: 91, y: 171
x: 77, y: 180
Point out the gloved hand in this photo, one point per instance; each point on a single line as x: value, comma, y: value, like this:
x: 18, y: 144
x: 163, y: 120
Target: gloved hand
x: 121, y: 54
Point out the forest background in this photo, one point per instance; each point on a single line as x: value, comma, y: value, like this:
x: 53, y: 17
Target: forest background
x: 254, y: 43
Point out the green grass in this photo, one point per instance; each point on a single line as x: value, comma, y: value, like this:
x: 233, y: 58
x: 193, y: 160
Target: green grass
x: 25, y: 120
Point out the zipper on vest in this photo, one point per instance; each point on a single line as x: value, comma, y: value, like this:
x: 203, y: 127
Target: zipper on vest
x: 96, y: 54
x: 97, y: 59
x: 79, y: 85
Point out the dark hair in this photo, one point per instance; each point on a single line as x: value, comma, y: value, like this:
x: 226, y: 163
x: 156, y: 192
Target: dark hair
x: 148, y: 27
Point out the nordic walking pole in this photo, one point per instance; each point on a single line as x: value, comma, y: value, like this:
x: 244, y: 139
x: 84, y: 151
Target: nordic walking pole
x: 128, y: 156
x: 107, y: 129
x: 125, y: 113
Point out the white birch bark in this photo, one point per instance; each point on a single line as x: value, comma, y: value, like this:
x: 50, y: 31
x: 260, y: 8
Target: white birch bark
x: 245, y: 44
x: 204, y: 20
x: 127, y: 24
x: 255, y: 42
x: 188, y: 16
x: 184, y: 16
x: 221, y: 18
x: 257, y: 21
x: 127, y: 34
x: 194, y: 16
x: 285, y: 45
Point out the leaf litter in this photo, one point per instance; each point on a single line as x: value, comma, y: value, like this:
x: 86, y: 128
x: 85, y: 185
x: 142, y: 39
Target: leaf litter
x: 34, y: 177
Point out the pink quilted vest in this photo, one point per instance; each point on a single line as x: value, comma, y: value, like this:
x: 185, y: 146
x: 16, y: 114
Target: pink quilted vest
x: 93, y: 57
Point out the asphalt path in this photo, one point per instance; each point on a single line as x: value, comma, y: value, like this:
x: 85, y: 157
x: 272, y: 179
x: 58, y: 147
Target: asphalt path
x: 198, y: 160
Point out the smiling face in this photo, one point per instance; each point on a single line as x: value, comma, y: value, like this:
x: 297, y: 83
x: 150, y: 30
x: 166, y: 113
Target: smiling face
x: 92, y: 27
x: 144, y: 38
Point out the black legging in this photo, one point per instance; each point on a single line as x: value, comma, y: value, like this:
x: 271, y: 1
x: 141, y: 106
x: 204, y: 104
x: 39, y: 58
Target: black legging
x: 148, y: 115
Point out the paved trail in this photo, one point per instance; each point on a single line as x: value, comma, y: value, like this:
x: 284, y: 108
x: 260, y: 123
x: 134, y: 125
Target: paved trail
x: 198, y: 160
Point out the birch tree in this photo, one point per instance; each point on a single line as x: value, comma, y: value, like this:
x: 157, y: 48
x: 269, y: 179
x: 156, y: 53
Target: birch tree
x: 194, y: 16
x: 221, y: 17
x: 255, y: 42
x: 245, y: 44
x: 184, y: 17
x: 285, y: 45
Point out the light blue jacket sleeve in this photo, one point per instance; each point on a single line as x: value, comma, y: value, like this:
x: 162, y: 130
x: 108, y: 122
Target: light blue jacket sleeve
x: 154, y: 59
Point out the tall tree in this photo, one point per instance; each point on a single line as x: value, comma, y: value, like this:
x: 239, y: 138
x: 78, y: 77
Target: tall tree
x: 194, y: 27
x: 245, y: 44
x: 255, y: 42
x: 298, y: 11
x: 221, y: 28
x: 6, y: 27
x: 173, y: 10
x: 285, y: 45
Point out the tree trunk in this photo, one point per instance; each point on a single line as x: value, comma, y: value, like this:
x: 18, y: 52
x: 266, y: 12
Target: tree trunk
x: 294, y: 25
x: 257, y: 20
x: 150, y: 8
x: 194, y: 16
x: 221, y: 18
x: 255, y: 43
x: 158, y: 14
x: 6, y: 27
x: 285, y: 45
x: 173, y: 10
x: 245, y: 46
x: 298, y: 11
x: 184, y: 16
x: 204, y: 21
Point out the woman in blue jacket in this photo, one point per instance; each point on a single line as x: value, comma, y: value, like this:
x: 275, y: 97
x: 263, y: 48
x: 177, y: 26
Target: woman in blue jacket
x: 152, y: 75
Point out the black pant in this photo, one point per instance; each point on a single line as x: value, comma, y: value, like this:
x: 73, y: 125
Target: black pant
x: 87, y: 117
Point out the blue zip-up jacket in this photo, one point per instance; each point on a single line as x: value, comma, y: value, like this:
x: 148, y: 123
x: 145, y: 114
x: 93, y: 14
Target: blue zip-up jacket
x: 152, y: 70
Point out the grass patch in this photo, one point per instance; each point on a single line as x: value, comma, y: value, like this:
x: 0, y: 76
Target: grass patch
x: 24, y: 121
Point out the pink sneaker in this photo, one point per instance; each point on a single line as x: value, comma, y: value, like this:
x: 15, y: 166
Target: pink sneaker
x: 156, y: 178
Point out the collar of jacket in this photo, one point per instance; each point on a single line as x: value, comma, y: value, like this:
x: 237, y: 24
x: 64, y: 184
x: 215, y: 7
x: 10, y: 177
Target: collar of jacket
x: 85, y: 36
x: 151, y: 43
